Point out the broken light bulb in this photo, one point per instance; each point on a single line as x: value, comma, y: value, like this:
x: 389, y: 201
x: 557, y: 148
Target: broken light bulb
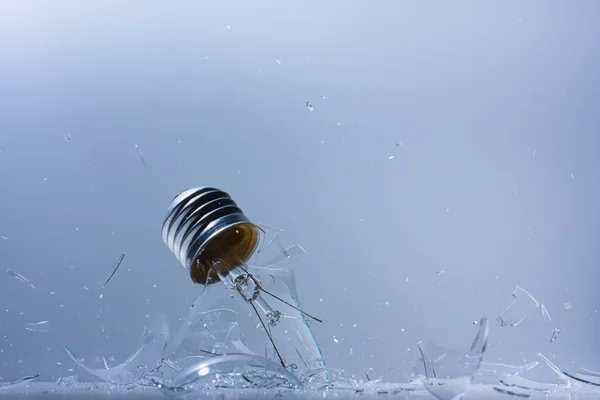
x: 211, y: 237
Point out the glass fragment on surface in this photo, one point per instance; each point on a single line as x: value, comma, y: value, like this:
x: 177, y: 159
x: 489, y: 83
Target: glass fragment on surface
x: 515, y: 381
x: 448, y: 389
x: 134, y: 368
x: 582, y: 379
x: 204, y: 334
x: 447, y: 374
x: 20, y: 277
x: 42, y: 326
x: 18, y: 383
x: 235, y: 371
x: 67, y: 380
x: 494, y: 371
x: 516, y: 392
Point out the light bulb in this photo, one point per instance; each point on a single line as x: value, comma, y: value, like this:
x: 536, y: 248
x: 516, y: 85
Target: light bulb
x: 211, y: 237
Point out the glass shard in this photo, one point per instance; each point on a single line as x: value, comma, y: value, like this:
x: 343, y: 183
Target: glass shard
x: 555, y: 333
x: 580, y: 379
x: 284, y: 254
x: 494, y: 371
x: 117, y: 265
x: 42, y: 326
x: 448, y: 389
x: 18, y: 383
x: 515, y: 381
x: 521, y: 306
x: 134, y: 368
x: 19, y: 277
x: 447, y: 374
x: 141, y: 154
x: 273, y: 251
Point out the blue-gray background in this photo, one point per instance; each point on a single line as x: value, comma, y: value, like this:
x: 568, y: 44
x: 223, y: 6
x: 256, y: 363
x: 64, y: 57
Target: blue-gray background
x: 489, y: 109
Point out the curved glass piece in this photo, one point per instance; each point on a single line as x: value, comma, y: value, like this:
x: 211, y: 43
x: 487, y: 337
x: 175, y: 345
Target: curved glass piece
x: 448, y: 374
x: 236, y: 371
x: 134, y: 368
x: 18, y: 383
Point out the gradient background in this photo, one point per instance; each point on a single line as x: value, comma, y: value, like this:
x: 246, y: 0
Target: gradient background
x: 490, y: 110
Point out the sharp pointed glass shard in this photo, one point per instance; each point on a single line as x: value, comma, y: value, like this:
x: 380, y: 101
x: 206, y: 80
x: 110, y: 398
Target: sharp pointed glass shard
x: 117, y: 265
x: 141, y: 154
x: 546, y: 314
x: 19, y: 277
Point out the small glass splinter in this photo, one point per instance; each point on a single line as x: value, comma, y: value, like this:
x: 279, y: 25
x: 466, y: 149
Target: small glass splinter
x: 211, y: 236
x: 115, y: 269
x: 19, y: 277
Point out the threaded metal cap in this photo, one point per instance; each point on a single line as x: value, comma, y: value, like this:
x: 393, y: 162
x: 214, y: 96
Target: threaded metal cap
x: 206, y: 230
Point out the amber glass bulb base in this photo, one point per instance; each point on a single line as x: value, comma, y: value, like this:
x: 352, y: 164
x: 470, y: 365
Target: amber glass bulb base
x: 227, y: 250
